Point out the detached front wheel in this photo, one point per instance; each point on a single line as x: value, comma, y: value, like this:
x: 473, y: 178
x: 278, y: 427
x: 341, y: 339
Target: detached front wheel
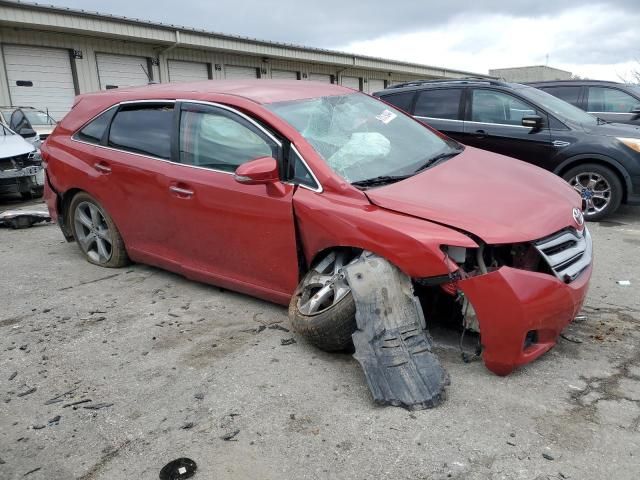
x: 599, y: 187
x: 322, y: 308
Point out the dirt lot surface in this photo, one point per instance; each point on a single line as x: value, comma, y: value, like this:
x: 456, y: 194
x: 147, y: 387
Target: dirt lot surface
x: 110, y: 374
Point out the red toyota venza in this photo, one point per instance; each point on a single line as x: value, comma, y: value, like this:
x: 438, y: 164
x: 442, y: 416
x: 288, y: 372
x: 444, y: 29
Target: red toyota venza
x: 272, y: 187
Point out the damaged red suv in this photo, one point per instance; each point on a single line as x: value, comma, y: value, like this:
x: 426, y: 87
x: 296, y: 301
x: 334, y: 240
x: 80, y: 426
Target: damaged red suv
x: 272, y: 187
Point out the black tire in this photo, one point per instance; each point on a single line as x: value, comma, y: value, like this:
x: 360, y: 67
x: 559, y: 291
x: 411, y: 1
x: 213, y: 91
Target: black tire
x: 330, y: 330
x: 610, y: 177
x: 118, y: 257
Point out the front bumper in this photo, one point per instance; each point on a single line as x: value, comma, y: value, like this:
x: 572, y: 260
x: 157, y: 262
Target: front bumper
x: 522, y: 313
x: 20, y: 180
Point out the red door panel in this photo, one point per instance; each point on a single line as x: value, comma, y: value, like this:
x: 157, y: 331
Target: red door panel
x: 134, y: 189
x: 232, y: 234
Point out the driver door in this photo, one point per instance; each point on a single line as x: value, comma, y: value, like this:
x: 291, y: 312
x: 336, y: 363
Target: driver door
x: 231, y: 234
x: 494, y: 123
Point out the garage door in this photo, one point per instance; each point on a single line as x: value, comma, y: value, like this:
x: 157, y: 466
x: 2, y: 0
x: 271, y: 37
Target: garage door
x: 320, y: 77
x: 286, y: 74
x: 375, y: 85
x: 351, y: 82
x: 180, y: 71
x: 40, y: 77
x: 116, y: 71
x: 232, y: 71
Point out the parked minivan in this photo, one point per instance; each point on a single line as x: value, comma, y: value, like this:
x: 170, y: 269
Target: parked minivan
x: 600, y: 160
x: 611, y: 101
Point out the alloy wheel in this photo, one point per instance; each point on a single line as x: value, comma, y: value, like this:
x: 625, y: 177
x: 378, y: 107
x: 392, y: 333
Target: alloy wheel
x: 325, y: 285
x: 594, y: 190
x: 92, y: 232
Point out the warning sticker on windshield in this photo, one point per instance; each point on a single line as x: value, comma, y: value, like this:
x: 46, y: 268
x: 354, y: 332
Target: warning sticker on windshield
x: 386, y: 116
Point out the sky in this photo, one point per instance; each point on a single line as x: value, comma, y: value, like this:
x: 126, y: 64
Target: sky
x: 597, y: 39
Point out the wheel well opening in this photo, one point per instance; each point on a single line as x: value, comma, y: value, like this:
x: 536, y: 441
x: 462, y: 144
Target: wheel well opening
x: 63, y: 209
x: 601, y: 163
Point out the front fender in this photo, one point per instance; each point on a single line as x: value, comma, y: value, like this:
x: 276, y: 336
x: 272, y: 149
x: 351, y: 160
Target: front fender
x: 328, y: 220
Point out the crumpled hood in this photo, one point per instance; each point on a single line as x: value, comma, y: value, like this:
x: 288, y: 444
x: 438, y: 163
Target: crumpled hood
x: 497, y: 198
x: 13, y: 145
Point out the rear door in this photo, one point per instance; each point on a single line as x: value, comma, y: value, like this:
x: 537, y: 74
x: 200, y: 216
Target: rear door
x: 494, y: 122
x: 442, y: 109
x: 573, y: 94
x: 128, y: 151
x: 612, y: 104
x: 231, y: 233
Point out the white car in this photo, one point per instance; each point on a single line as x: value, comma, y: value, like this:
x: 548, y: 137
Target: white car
x: 32, y: 124
x: 21, y: 169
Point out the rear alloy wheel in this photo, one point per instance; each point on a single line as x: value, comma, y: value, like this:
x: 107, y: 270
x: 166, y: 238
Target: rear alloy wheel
x: 95, y: 233
x: 599, y: 187
x: 322, y: 309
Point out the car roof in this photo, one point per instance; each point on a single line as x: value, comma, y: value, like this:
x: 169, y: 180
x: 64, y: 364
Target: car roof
x: 416, y: 85
x: 575, y: 82
x: 258, y: 91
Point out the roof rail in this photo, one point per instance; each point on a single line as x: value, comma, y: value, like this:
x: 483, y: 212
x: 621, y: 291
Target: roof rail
x: 463, y: 80
x: 586, y: 80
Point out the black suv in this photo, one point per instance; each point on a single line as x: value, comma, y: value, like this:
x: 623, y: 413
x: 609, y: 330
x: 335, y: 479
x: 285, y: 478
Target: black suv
x: 611, y: 101
x: 600, y: 160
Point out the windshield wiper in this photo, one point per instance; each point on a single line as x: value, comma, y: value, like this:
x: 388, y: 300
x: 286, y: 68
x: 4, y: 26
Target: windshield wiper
x: 387, y: 179
x: 437, y: 158
x: 381, y: 180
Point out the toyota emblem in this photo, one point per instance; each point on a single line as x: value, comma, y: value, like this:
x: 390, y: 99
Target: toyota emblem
x: 578, y: 217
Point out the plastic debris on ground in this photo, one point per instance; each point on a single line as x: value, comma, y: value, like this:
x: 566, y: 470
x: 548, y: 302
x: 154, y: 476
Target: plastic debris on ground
x: 178, y: 469
x: 17, y: 219
x: 392, y: 345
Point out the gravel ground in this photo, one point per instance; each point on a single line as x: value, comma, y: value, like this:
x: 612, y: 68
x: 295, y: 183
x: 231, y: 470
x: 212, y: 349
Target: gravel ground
x: 110, y: 374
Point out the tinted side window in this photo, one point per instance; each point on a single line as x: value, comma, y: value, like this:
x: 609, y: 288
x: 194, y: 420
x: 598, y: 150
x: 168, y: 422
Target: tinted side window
x: 143, y: 129
x: 490, y: 106
x: 439, y: 103
x: 401, y: 100
x: 603, y: 99
x: 569, y: 94
x: 94, y: 131
x: 216, y: 139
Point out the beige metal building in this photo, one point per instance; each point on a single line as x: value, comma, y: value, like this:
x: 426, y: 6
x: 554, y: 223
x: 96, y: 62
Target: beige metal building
x: 50, y: 54
x: 534, y: 73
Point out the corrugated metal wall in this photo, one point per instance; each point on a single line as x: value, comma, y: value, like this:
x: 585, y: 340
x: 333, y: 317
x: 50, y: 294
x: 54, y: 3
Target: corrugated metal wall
x: 86, y: 68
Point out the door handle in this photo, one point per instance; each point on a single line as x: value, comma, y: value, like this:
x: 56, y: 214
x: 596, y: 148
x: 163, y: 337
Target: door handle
x: 480, y: 133
x: 102, y: 167
x: 182, y: 192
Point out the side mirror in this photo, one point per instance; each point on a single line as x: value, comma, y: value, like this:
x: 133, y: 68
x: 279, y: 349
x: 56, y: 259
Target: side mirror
x: 259, y: 171
x: 27, y: 132
x: 532, y: 121
x: 635, y: 111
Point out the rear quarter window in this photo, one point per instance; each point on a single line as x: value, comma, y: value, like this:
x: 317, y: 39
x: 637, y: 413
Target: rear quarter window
x: 403, y: 101
x: 94, y: 131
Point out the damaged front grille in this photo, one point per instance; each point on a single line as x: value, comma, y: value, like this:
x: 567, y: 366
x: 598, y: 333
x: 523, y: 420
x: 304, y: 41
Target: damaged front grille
x: 19, y: 161
x: 567, y: 252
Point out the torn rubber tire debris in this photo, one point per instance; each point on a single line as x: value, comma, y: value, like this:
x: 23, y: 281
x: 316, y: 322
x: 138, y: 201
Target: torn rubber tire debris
x: 392, y: 345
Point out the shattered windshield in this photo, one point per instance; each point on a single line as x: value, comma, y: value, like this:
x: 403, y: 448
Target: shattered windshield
x: 363, y: 139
